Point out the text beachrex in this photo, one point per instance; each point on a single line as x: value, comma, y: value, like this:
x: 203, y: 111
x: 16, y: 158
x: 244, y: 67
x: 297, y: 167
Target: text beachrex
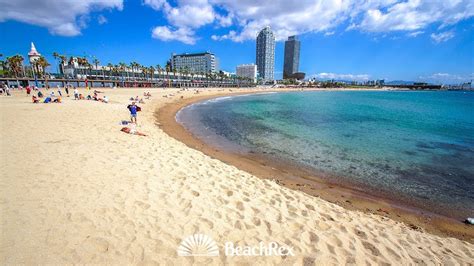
x: 203, y: 245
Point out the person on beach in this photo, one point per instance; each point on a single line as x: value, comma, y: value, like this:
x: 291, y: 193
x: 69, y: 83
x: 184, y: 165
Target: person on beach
x: 67, y: 90
x: 133, y: 108
x: 76, y: 94
x: 28, y: 90
x: 40, y: 94
x: 34, y: 99
x: 59, y: 91
x: 132, y: 131
x: 6, y: 89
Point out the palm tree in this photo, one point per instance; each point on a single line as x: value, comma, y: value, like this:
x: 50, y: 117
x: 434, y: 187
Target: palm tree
x: 122, y: 68
x: 56, y: 56
x: 96, y: 63
x: 144, y: 71
x: 110, y: 66
x: 15, y: 65
x: 42, y: 64
x: 168, y: 69
x: 86, y: 64
x: 159, y: 69
x: 152, y: 72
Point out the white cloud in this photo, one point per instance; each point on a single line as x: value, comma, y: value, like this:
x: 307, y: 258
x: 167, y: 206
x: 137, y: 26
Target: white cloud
x: 415, y: 33
x: 184, y: 17
x: 354, y: 77
x: 324, y: 16
x: 165, y: 33
x: 304, y: 16
x: 101, y: 19
x: 442, y: 36
x: 447, y: 78
x: 413, y: 15
x: 61, y: 17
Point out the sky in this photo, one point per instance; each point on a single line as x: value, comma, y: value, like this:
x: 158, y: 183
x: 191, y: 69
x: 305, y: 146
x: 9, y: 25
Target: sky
x: 414, y: 40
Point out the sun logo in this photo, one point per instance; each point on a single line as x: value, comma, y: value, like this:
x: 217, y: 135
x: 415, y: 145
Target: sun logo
x: 198, y: 245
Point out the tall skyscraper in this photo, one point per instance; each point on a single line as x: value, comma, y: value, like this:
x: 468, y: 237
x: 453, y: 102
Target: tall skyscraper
x: 266, y: 54
x: 292, y: 57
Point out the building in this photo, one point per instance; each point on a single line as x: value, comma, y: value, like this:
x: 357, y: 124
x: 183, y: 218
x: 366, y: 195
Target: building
x: 266, y: 54
x: 33, y: 56
x: 195, y: 63
x: 292, y: 57
x: 247, y: 71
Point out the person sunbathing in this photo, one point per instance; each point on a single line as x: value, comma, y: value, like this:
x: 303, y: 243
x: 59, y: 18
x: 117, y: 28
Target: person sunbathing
x: 132, y: 131
x: 47, y: 100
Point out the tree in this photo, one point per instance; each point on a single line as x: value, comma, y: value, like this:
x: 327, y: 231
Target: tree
x: 15, y: 64
x: 159, y: 70
x: 152, y: 72
x: 42, y: 64
x: 110, y: 66
x: 56, y: 56
x: 96, y: 63
x: 122, y: 67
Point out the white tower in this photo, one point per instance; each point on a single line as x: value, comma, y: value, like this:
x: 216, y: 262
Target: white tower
x: 33, y: 55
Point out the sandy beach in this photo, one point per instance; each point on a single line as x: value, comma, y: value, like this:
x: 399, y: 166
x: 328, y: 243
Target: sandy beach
x: 75, y: 189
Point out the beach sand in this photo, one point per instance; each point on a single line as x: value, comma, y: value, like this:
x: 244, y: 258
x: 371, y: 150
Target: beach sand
x: 74, y: 189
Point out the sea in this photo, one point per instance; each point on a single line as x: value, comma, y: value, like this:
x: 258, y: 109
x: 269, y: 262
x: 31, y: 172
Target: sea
x: 414, y: 146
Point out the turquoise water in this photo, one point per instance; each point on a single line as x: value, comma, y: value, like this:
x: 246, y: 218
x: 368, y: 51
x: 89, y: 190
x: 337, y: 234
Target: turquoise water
x: 417, y: 147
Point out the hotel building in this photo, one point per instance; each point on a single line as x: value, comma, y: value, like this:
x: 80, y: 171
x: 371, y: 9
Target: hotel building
x: 195, y: 63
x: 247, y: 71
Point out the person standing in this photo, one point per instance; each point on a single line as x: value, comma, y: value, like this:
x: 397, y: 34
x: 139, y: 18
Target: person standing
x: 133, y: 108
x: 67, y: 89
x: 7, y: 89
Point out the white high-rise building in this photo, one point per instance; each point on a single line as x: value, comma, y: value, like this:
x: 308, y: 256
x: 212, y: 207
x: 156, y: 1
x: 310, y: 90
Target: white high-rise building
x: 266, y: 54
x: 247, y: 71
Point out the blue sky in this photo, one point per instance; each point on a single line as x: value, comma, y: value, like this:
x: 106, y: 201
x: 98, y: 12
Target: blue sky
x: 393, y: 40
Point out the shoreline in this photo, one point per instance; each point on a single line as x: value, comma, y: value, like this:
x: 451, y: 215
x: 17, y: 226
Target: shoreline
x: 296, y: 178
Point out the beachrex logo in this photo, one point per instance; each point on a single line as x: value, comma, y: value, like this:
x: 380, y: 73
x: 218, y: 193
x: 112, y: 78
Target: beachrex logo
x: 198, y: 245
x: 203, y: 245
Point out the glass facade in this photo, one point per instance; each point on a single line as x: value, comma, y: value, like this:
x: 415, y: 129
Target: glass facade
x: 292, y: 57
x: 266, y: 54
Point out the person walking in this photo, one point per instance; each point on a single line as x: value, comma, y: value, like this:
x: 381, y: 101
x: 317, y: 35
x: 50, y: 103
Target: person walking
x: 59, y: 91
